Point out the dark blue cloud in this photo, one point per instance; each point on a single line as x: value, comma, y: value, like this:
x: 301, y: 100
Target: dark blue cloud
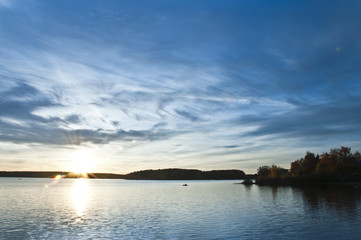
x: 187, y: 115
x: 309, y: 122
x: 19, y: 101
x: 229, y: 146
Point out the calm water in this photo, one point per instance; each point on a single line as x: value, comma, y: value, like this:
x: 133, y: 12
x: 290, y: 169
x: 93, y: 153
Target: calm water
x: 120, y: 209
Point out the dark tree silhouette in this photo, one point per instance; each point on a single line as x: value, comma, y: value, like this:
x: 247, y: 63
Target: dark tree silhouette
x: 338, y: 165
x: 185, y: 174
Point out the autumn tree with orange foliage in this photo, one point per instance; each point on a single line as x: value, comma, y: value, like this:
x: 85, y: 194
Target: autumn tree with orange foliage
x: 338, y: 165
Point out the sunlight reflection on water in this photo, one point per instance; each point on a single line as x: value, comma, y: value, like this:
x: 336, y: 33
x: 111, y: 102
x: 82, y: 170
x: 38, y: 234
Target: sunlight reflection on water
x: 80, y: 196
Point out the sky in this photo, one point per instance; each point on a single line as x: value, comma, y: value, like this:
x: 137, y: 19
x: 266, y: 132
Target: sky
x: 121, y: 86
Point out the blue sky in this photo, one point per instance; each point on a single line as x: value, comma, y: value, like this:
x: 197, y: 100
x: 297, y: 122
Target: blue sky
x: 131, y: 85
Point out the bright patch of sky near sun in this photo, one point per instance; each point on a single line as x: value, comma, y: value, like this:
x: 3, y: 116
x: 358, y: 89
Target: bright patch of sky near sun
x: 206, y: 84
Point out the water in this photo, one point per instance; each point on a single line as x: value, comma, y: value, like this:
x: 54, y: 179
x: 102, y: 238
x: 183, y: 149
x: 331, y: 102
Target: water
x: 121, y: 209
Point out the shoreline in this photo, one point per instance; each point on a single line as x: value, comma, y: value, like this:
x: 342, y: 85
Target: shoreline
x: 159, y: 175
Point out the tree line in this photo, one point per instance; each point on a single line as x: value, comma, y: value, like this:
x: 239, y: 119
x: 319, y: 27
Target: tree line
x: 338, y: 165
x: 185, y: 174
x: 160, y: 174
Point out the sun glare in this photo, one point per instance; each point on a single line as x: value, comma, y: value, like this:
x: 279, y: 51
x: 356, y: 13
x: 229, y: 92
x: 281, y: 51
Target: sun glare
x: 59, y: 176
x: 80, y: 192
x: 81, y: 163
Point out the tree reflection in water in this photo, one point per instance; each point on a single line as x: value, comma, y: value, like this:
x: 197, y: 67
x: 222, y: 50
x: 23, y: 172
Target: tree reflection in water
x: 340, y: 199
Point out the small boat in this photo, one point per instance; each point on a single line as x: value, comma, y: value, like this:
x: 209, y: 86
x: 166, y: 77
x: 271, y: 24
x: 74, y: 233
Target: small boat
x: 185, y: 185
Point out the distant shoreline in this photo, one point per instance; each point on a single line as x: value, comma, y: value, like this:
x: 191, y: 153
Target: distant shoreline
x: 59, y: 174
x: 160, y: 174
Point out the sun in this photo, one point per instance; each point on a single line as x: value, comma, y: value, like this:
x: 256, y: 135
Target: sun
x: 82, y: 162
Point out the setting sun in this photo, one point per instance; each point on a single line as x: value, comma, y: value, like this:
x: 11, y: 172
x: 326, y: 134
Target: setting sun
x: 81, y: 162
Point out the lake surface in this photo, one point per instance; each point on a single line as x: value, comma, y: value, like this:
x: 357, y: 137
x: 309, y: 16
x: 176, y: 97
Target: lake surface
x: 121, y: 209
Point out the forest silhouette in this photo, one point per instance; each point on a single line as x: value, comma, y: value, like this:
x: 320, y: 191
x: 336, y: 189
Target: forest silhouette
x: 160, y: 174
x: 338, y: 165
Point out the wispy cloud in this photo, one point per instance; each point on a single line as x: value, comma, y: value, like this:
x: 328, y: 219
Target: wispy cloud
x: 201, y: 84
x: 5, y: 3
